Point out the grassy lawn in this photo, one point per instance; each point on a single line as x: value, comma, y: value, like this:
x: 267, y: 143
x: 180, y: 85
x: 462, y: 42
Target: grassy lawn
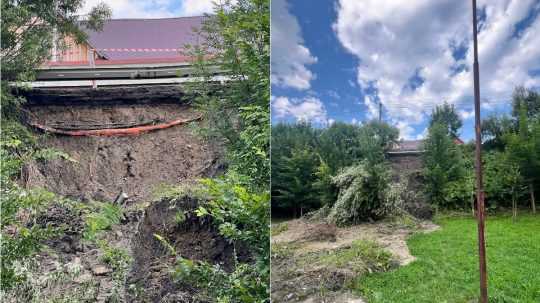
x: 447, y: 266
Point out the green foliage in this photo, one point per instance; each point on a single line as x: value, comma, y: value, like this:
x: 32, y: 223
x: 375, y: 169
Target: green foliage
x: 522, y: 147
x: 239, y: 286
x: 241, y: 216
x: 119, y: 260
x: 460, y: 191
x: 525, y: 98
x: 236, y: 39
x: 252, y: 148
x: 20, y: 236
x: 501, y: 181
x: 494, y: 129
x: 447, y: 116
x: 444, y: 167
x: 29, y: 30
x: 296, y: 178
x: 103, y: 218
x: 364, y: 192
x: 305, y: 158
x: 323, y: 184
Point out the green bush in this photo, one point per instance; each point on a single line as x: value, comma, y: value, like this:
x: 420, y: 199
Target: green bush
x: 364, y: 193
x: 241, y: 217
x: 104, y: 217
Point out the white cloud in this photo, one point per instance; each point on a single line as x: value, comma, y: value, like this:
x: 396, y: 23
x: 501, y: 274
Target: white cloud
x: 399, y: 40
x: 466, y: 114
x: 197, y: 7
x: 422, y: 135
x: 405, y: 130
x: 331, y: 121
x: 133, y: 8
x: 289, y: 55
x: 354, y: 121
x: 307, y: 109
x: 153, y: 8
x: 373, y: 108
x: 333, y: 94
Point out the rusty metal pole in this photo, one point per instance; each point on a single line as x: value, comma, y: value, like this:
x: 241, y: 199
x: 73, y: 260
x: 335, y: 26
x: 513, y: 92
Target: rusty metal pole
x: 478, y: 155
x: 380, y: 111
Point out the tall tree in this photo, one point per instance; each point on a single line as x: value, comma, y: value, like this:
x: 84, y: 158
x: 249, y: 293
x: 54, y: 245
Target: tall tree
x: 295, y: 178
x: 528, y: 98
x: 447, y: 116
x: 494, y: 128
x: 443, y: 163
x: 521, y: 148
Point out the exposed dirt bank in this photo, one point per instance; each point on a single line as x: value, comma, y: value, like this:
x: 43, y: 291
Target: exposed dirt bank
x: 314, y: 262
x: 193, y: 238
x: 125, y: 262
x: 134, y: 164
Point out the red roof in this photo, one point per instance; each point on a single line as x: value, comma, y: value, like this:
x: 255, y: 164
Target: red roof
x: 458, y: 141
x: 123, y: 39
x: 141, y: 41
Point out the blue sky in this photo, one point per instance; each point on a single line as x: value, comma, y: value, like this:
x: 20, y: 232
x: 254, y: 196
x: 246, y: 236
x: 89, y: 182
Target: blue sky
x: 335, y: 60
x: 153, y: 8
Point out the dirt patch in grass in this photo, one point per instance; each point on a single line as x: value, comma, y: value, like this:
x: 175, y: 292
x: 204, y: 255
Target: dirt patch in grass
x: 317, y: 262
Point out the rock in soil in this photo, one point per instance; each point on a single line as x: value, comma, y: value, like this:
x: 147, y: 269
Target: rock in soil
x: 100, y: 270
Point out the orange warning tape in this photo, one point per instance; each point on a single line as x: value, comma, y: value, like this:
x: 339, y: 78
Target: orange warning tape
x: 107, y: 132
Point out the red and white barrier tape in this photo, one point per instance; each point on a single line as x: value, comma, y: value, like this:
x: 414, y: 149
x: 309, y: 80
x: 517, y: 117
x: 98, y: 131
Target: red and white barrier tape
x: 129, y: 50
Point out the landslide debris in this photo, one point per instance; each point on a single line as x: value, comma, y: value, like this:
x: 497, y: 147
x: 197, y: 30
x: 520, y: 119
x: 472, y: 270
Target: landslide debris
x: 192, y: 237
x: 105, y: 166
x: 107, y: 251
x: 316, y: 262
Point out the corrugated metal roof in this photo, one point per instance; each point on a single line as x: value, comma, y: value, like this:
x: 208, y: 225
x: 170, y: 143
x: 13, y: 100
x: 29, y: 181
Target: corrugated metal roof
x: 408, y: 145
x: 136, y: 34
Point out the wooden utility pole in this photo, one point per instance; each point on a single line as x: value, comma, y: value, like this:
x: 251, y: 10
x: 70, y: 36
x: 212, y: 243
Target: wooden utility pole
x: 480, y: 213
x: 380, y: 111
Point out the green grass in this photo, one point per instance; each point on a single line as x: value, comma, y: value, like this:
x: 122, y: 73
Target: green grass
x: 446, y: 269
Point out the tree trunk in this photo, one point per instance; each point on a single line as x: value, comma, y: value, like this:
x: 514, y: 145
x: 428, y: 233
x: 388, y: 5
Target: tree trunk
x: 472, y: 206
x: 533, y: 202
x: 514, y: 208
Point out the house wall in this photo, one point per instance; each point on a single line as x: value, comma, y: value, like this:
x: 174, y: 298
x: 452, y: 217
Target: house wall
x: 73, y: 52
x: 405, y: 164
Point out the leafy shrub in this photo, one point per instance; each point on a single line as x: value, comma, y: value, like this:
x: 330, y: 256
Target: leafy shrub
x: 241, y: 216
x: 364, y: 192
x: 105, y: 216
x: 20, y: 237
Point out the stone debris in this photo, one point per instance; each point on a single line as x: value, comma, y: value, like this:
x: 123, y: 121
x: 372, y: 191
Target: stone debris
x: 101, y: 270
